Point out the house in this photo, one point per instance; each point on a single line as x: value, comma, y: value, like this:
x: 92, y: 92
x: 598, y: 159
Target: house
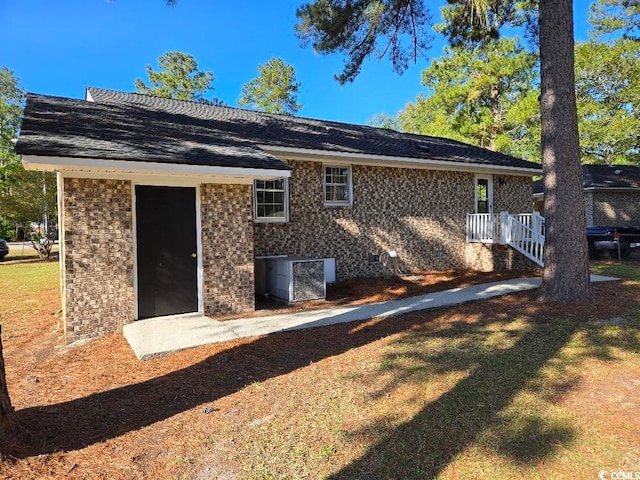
x: 165, y: 206
x: 611, y: 195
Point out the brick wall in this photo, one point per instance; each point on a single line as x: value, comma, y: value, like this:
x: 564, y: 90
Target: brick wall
x: 615, y: 208
x: 588, y: 208
x: 98, y: 254
x: 98, y: 258
x: 512, y: 194
x: 227, y: 248
x: 419, y: 214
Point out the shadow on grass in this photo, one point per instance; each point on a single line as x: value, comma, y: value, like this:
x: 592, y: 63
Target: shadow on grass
x: 424, y: 446
x: 420, y: 448
x: 95, y: 418
x: 531, y: 438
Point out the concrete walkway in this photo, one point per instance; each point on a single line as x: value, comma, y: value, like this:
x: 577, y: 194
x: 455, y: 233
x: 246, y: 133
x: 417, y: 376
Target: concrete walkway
x: 158, y: 337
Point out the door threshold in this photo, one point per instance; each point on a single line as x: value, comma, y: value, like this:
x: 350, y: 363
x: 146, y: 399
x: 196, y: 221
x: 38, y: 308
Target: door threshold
x: 172, y: 316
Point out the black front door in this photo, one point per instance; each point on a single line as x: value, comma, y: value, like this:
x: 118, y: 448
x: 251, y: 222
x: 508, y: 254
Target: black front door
x: 167, y: 263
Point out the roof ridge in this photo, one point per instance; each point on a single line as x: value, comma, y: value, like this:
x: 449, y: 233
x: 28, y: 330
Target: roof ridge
x: 159, y: 98
x: 193, y: 102
x: 262, y: 113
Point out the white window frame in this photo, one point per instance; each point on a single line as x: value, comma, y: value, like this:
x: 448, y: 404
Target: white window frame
x: 337, y: 203
x: 284, y: 219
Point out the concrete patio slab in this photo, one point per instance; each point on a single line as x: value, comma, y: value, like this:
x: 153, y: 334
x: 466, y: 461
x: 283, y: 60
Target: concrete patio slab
x: 158, y: 337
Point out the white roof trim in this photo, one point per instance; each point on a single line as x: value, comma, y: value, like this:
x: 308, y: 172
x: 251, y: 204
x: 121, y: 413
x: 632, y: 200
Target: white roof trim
x: 601, y: 189
x: 101, y: 168
x: 612, y: 189
x: 294, y: 153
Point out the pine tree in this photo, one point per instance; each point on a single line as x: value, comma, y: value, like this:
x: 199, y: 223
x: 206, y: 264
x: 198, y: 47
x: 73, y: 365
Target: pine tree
x: 178, y: 78
x: 274, y: 90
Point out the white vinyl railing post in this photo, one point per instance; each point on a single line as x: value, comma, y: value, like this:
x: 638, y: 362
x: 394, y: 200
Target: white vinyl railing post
x: 537, y: 221
x: 504, y: 228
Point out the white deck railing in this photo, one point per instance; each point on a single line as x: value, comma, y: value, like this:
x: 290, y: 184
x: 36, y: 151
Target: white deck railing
x: 523, y: 231
x: 483, y: 227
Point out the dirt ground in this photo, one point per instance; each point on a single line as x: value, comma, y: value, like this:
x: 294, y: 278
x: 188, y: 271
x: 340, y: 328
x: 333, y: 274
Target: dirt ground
x: 95, y: 411
x: 359, y: 291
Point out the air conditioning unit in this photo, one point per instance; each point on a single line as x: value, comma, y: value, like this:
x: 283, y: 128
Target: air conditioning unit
x: 294, y: 279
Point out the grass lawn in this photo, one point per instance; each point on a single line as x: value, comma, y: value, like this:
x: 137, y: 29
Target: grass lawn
x: 504, y: 388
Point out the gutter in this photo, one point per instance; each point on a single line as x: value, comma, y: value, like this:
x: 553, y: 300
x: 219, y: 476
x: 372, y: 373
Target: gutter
x: 294, y: 153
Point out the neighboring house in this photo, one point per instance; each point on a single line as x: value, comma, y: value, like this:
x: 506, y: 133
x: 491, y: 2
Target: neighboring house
x: 166, y: 205
x: 611, y: 195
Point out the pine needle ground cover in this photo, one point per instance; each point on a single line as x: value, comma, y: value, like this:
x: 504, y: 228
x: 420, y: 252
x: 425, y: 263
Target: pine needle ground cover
x: 503, y: 388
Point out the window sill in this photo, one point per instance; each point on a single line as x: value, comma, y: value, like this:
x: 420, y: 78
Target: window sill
x: 270, y: 220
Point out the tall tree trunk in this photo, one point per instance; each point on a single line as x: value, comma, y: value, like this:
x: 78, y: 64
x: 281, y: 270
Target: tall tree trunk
x: 8, y: 425
x: 565, y: 277
x: 494, y: 95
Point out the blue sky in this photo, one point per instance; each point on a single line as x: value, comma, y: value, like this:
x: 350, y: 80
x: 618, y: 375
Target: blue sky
x: 60, y: 47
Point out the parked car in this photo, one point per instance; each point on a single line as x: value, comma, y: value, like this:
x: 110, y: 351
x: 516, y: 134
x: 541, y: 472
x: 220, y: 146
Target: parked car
x: 611, y: 240
x: 4, y: 248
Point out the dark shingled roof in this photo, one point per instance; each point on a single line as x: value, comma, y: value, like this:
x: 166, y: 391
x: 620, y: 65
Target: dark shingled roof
x: 604, y: 176
x: 61, y: 127
x: 118, y: 125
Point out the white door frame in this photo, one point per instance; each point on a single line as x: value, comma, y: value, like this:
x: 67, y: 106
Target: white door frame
x: 199, y: 268
x: 489, y: 178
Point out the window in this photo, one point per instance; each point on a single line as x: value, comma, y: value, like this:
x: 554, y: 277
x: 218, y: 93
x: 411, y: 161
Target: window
x: 337, y: 185
x: 271, y: 200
